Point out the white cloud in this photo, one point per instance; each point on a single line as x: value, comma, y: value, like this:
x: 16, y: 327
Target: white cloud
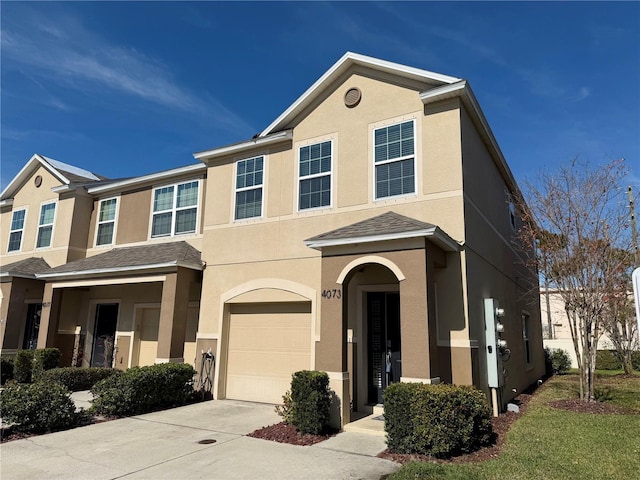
x: 72, y: 56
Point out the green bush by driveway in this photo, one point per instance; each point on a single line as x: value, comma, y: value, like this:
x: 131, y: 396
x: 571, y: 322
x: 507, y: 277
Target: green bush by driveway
x: 144, y: 389
x: 77, y: 379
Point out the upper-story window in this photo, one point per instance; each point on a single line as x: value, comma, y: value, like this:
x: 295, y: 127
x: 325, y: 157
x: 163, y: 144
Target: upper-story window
x: 249, y: 178
x: 106, y: 221
x: 315, y: 176
x: 512, y: 214
x: 175, y: 209
x: 17, y: 227
x: 45, y: 225
x: 394, y: 160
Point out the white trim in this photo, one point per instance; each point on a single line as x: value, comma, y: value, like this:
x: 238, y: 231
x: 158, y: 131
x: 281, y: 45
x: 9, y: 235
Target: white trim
x: 341, y: 66
x: 370, y: 259
x: 70, y: 168
x: 246, y: 189
x: 100, y: 271
x: 329, y: 174
x: 24, y: 224
x: 207, y: 336
x: 115, y: 222
x: 427, y: 381
x: 52, y: 224
x: 91, y: 327
x: 6, y: 203
x: 175, y: 209
x: 243, y: 146
x: 339, y: 376
x: 395, y: 160
x: 146, y: 179
x: 458, y: 343
x: 27, y: 170
x: 434, y: 234
x: 109, y: 281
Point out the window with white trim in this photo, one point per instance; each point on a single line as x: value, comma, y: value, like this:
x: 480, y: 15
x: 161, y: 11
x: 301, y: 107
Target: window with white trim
x: 249, y: 179
x: 45, y: 225
x: 106, y: 221
x: 526, y: 337
x: 17, y: 227
x: 394, y: 160
x: 315, y: 176
x: 175, y: 209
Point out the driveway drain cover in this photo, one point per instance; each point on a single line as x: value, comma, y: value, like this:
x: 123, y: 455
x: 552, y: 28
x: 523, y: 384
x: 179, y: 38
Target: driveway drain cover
x: 207, y: 441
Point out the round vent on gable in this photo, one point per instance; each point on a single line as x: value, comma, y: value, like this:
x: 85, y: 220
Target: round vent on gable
x: 352, y: 97
x: 37, y: 181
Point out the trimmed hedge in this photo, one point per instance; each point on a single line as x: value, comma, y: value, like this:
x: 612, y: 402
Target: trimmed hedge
x: 23, y: 366
x: 144, y: 389
x: 557, y: 360
x: 38, y: 407
x: 44, y: 359
x: 77, y: 379
x: 607, y: 360
x: 310, y: 401
x: 439, y: 420
x: 6, y: 370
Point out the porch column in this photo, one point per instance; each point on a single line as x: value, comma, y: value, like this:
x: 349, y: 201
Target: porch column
x: 417, y: 327
x: 331, y: 350
x: 51, y: 301
x: 173, y: 316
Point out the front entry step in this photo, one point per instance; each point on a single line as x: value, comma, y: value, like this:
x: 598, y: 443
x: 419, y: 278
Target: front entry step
x: 372, y: 424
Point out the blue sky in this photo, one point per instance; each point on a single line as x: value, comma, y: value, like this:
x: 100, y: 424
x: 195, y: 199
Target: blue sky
x: 124, y: 88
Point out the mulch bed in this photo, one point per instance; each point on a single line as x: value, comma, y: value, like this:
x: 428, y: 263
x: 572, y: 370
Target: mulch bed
x: 283, y: 433
x: 579, y: 406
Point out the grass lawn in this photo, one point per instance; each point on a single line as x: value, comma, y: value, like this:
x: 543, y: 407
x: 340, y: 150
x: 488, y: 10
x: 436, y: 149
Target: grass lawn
x: 549, y: 443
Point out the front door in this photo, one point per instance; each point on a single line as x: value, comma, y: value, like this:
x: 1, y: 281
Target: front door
x: 385, y: 367
x: 32, y: 327
x: 104, y: 335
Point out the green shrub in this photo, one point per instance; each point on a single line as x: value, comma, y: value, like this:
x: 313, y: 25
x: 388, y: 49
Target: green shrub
x: 38, y: 407
x: 286, y: 409
x: 310, y: 401
x: 439, y: 420
x: 144, y: 389
x: 607, y: 360
x: 44, y: 359
x: 557, y: 360
x: 77, y: 379
x: 6, y: 370
x: 23, y: 366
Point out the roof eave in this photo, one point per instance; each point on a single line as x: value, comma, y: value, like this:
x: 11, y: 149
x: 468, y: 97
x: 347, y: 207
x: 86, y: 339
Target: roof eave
x: 346, y: 61
x: 462, y: 89
x: 99, y: 272
x: 243, y: 146
x: 24, y: 173
x: 145, y: 179
x: 435, y: 235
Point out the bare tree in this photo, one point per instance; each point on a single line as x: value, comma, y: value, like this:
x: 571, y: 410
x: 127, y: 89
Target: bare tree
x: 584, y: 223
x: 619, y: 321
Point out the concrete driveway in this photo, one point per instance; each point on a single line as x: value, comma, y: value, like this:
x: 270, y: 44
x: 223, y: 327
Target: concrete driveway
x: 166, y: 445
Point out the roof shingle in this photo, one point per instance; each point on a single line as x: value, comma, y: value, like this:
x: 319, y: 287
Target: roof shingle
x: 27, y: 267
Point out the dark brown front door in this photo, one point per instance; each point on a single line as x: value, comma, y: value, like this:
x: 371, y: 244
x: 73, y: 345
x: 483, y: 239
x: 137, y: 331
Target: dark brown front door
x: 385, y: 367
x: 104, y: 335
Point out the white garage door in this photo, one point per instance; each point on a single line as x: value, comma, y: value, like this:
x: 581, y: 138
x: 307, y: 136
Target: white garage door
x: 267, y: 343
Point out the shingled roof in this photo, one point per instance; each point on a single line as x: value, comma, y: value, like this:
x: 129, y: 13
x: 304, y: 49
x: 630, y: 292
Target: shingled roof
x: 28, y: 267
x: 132, y: 258
x: 388, y: 226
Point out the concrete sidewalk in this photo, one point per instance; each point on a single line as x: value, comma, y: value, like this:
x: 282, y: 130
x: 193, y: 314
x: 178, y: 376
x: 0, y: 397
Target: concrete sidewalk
x: 167, y: 445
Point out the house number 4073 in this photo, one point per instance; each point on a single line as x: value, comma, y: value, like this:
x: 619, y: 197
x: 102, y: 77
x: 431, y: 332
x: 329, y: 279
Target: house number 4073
x: 333, y: 293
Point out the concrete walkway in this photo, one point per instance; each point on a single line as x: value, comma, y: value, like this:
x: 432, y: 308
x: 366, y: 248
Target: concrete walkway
x: 167, y: 445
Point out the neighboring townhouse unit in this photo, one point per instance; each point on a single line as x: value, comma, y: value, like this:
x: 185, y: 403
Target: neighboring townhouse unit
x: 361, y: 233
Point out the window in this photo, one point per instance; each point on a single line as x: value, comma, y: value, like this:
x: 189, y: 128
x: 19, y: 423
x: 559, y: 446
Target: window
x: 249, y: 177
x: 315, y: 176
x: 512, y: 214
x: 106, y: 221
x: 526, y: 335
x: 394, y: 160
x: 175, y: 209
x: 45, y: 225
x: 17, y: 227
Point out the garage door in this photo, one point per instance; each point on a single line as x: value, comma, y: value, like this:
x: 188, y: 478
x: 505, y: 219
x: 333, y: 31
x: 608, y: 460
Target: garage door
x: 267, y: 343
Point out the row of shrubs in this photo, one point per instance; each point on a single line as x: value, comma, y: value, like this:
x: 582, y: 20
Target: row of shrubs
x: 28, y: 365
x: 46, y: 405
x: 609, y: 360
x: 439, y: 420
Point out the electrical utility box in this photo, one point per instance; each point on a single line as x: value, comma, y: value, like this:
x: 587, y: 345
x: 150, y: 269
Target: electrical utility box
x: 496, y: 346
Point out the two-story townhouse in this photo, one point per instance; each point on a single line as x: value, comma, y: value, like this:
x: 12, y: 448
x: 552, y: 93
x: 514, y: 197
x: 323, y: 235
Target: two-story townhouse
x: 360, y: 234
x: 130, y: 295
x: 44, y: 219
